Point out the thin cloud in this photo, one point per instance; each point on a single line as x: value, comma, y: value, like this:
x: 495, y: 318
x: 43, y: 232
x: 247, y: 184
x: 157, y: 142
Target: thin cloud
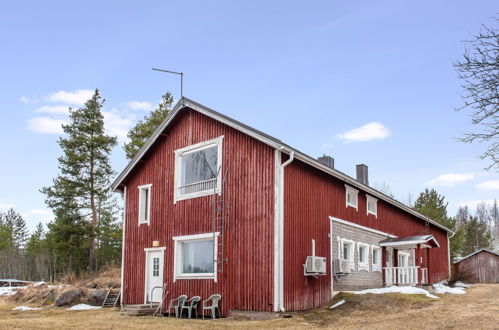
x: 450, y: 179
x: 77, y: 97
x: 474, y: 203
x: 488, y: 185
x: 117, y: 124
x: 46, y: 125
x: 27, y: 100
x: 6, y: 206
x: 371, y: 131
x: 138, y: 105
x: 53, y: 109
x: 37, y: 215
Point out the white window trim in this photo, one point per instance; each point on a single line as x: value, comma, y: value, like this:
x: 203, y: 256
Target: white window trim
x: 149, y: 187
x: 407, y: 254
x: 146, y: 273
x: 376, y: 267
x: 177, y: 256
x: 375, y: 202
x: 351, y: 259
x: 348, y: 190
x: 363, y: 265
x: 192, y: 148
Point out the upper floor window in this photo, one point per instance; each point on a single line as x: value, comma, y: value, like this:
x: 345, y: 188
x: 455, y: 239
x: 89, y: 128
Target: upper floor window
x: 144, y: 203
x: 372, y: 206
x: 197, y: 168
x: 351, y: 197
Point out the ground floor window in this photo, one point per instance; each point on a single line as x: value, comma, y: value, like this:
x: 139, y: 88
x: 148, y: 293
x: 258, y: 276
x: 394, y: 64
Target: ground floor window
x: 195, y: 256
x: 376, y: 255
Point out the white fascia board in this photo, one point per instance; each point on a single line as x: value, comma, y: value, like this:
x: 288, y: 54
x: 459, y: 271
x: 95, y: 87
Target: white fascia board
x: 348, y: 223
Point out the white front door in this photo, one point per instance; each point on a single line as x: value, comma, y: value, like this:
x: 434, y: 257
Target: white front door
x: 154, y: 275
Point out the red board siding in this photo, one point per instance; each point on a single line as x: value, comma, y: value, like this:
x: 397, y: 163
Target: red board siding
x: 311, y: 196
x: 482, y: 267
x: 247, y: 282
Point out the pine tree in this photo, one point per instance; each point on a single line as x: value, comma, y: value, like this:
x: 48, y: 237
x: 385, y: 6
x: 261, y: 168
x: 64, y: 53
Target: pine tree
x: 85, y: 170
x: 15, y: 229
x: 35, y: 242
x: 139, y: 134
x: 6, y: 239
x: 477, y: 235
x: 433, y: 205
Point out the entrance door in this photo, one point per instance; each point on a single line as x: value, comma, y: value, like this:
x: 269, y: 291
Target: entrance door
x: 154, y: 275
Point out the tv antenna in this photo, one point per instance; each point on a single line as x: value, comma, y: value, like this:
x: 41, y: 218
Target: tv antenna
x: 181, y: 74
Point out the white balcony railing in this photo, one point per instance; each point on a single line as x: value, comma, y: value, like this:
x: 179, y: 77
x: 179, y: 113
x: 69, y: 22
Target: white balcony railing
x: 404, y: 275
x: 196, y: 187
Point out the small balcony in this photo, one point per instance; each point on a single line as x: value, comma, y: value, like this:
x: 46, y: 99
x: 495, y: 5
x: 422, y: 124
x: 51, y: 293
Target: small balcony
x: 411, y: 275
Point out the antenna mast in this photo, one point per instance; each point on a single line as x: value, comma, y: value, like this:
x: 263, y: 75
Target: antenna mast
x: 181, y: 74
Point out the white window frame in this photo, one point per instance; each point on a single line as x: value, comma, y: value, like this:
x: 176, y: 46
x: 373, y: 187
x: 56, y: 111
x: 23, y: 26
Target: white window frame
x: 140, y: 207
x: 376, y: 267
x: 341, y: 242
x: 406, y: 255
x: 354, y: 192
x: 178, y: 168
x: 374, y: 201
x: 177, y: 256
x: 365, y: 264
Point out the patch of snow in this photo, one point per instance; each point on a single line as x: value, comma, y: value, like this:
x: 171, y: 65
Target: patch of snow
x: 10, y: 290
x: 25, y: 308
x: 460, y: 284
x: 440, y: 288
x: 82, y: 307
x: 339, y: 303
x: 39, y: 283
x: 397, y: 289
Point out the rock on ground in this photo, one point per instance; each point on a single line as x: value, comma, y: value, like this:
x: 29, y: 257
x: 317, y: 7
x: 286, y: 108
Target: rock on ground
x: 68, y: 298
x: 97, y: 297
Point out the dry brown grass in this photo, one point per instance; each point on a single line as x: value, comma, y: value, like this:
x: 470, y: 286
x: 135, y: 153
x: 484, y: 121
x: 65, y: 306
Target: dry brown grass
x: 478, y: 309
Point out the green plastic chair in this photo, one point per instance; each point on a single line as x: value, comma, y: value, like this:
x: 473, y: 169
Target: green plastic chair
x: 177, y: 304
x: 191, y: 305
x: 215, y: 298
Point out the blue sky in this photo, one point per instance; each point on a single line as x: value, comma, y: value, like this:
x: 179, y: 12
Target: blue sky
x: 363, y: 81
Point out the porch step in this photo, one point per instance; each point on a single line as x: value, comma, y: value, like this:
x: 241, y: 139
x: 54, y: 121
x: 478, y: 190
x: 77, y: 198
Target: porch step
x: 139, y: 309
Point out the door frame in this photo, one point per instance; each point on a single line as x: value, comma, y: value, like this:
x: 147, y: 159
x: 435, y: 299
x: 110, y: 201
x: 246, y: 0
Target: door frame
x: 146, y: 268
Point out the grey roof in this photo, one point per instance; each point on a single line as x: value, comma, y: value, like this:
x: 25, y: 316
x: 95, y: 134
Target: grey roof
x: 417, y: 239
x: 476, y: 252
x: 185, y: 103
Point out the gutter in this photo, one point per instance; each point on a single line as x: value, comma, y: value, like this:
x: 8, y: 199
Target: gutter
x: 281, y: 230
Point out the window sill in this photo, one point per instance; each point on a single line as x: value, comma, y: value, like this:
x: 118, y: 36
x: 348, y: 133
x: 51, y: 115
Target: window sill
x: 195, y: 195
x: 144, y: 222
x: 353, y: 206
x: 372, y: 213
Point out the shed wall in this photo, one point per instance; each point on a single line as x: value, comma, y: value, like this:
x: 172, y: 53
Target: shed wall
x: 482, y: 267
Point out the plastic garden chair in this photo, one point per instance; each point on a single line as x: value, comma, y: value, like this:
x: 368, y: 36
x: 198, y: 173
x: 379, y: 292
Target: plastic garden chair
x: 191, y: 305
x: 177, y: 304
x: 214, y: 299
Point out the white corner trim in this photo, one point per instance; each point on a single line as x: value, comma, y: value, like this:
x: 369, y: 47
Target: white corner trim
x: 218, y: 141
x: 362, y: 227
x: 277, y: 185
x: 123, y: 227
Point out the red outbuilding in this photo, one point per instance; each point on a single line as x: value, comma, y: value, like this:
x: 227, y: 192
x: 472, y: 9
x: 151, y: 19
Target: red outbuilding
x: 213, y: 206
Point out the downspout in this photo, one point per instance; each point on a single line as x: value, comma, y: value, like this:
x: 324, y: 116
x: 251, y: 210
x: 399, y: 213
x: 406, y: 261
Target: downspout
x: 122, y: 286
x: 281, y: 228
x: 448, y: 252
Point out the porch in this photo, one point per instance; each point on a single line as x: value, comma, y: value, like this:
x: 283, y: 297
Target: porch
x: 398, y: 269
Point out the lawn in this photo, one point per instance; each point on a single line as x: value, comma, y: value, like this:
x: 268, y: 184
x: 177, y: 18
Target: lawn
x: 478, y: 308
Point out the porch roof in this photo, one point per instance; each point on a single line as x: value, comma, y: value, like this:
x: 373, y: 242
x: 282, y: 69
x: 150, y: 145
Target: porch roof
x: 410, y: 241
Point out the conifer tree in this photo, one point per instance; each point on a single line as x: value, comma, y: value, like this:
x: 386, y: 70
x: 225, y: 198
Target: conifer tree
x: 82, y: 187
x: 139, y: 134
x: 477, y: 235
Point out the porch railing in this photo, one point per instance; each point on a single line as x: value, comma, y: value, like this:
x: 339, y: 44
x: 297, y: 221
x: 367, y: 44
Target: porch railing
x: 404, y: 275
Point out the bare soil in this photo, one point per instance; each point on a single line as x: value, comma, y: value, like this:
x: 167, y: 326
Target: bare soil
x: 477, y: 309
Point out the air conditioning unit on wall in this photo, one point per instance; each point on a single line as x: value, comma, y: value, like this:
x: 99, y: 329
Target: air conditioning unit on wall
x: 345, y: 266
x: 315, y: 265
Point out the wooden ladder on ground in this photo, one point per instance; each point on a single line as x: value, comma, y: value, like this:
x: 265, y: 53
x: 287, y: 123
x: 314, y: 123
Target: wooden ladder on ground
x: 112, y: 298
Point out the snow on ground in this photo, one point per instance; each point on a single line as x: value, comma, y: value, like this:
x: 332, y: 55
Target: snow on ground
x: 82, y: 307
x: 25, y: 308
x: 460, y: 284
x: 10, y: 290
x: 440, y: 288
x: 36, y: 284
x: 397, y: 289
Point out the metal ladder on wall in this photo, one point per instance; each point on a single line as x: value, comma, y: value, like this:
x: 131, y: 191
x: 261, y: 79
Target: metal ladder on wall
x: 218, y: 220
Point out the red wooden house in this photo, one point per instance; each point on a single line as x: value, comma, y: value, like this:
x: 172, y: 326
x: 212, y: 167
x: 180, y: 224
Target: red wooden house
x: 215, y: 206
